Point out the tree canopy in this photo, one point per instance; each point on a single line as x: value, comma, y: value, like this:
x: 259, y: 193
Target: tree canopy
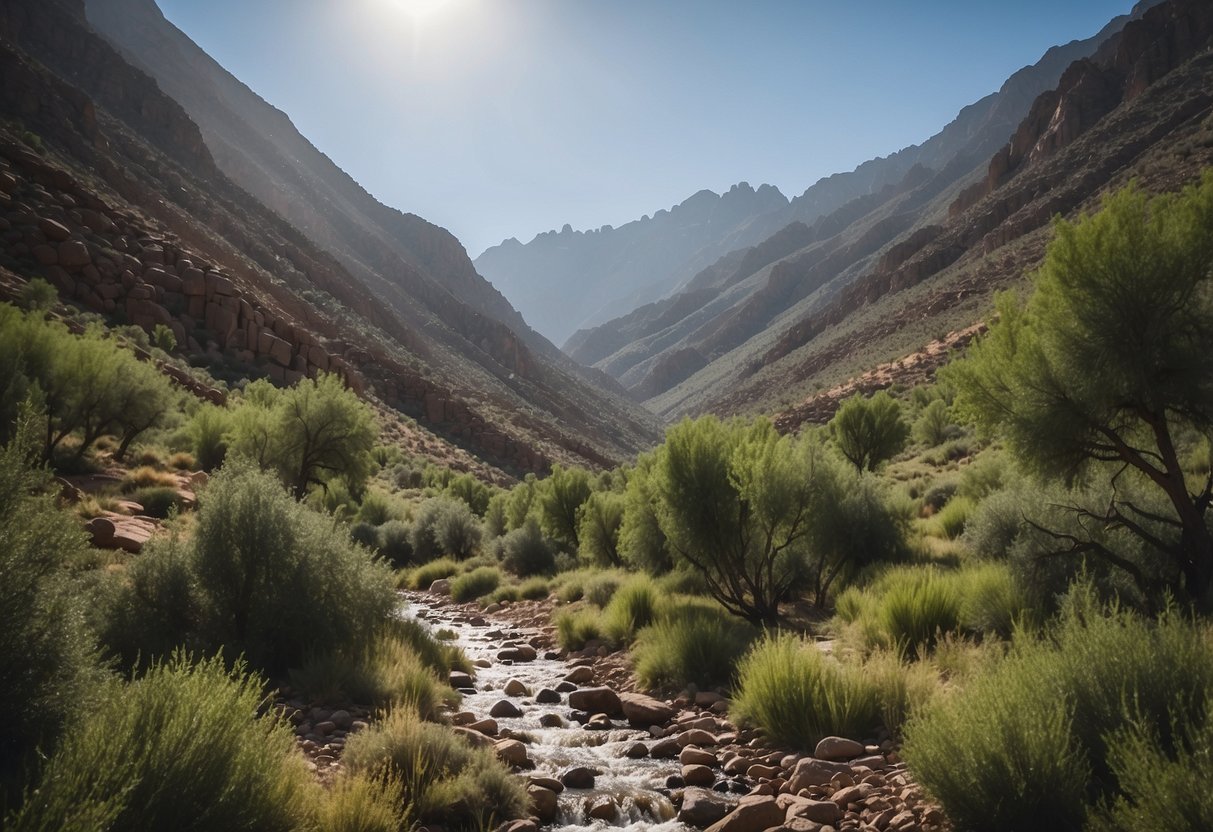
x: 1106, y: 368
x: 869, y: 431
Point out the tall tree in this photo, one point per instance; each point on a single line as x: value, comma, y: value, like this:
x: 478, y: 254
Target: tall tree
x: 869, y: 431
x: 1108, y: 365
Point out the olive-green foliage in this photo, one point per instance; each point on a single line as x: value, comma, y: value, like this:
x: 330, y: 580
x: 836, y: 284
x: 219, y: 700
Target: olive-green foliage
x: 534, y: 589
x: 310, y: 433
x: 934, y: 425
x: 472, y: 491
x: 270, y: 578
x: 157, y: 501
x: 434, y: 654
x: 162, y: 338
x: 1160, y: 790
x: 1029, y: 744
x: 427, y: 573
x: 208, y: 429
x: 383, y: 671
x: 444, y: 526
x: 442, y: 778
x: 364, y: 534
x: 37, y: 296
x: 46, y: 662
x: 378, y: 508
x: 471, y: 585
x: 395, y: 542
x: 951, y: 520
x: 495, y: 524
x: 916, y: 612
x: 87, y: 385
x: 182, y: 748
x: 642, y: 543
x: 601, y: 517
x: 690, y: 643
x: 633, y: 606
x: 358, y: 803
x: 525, y: 552
x: 576, y: 627
x: 869, y: 431
x: 797, y: 695
x: 1106, y: 365
x: 560, y: 499
x: 522, y: 502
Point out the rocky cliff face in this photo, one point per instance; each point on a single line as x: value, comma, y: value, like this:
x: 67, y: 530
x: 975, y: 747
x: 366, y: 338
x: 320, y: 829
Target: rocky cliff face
x: 565, y: 280
x: 124, y: 209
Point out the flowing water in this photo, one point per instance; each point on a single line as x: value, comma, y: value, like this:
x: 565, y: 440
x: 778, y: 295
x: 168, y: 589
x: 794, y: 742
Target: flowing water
x: 633, y: 785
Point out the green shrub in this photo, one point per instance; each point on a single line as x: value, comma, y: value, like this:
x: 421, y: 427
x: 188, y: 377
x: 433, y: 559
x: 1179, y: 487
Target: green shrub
x: 444, y: 526
x: 505, y: 592
x: 433, y: 653
x: 633, y: 606
x: 534, y: 589
x: 950, y: 522
x: 442, y: 778
x: 274, y: 581
x: 377, y: 508
x: 366, y: 535
x: 472, y: 492
x: 384, y: 671
x: 797, y: 695
x: 395, y: 545
x: 1161, y: 790
x: 917, y: 611
x: 992, y: 529
x: 992, y: 600
x: 37, y: 296
x: 358, y: 803
x: 690, y: 643
x: 181, y: 748
x: 574, y: 628
x: 208, y: 430
x: 435, y: 570
x: 1026, y: 745
x: 47, y: 667
x: 683, y: 582
x: 478, y: 582
x: 600, y: 587
x: 525, y: 552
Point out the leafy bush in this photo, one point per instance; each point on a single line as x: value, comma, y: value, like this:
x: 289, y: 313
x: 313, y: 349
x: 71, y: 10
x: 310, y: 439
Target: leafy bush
x: 934, y: 425
x: 915, y: 612
x: 574, y: 628
x: 950, y: 522
x: 383, y: 671
x: 46, y: 657
x: 601, y: 518
x: 869, y: 430
x: 395, y: 542
x: 145, y: 476
x: 993, y: 528
x: 690, y: 643
x: 208, y: 432
x: 271, y: 579
x: 444, y: 526
x: 442, y: 778
x: 797, y: 695
x: 633, y: 606
x: 194, y: 755
x: 377, y: 508
x: 358, y: 803
x: 534, y: 589
x: 427, y: 573
x: 1029, y: 744
x: 37, y: 296
x: 158, y: 501
x: 993, y: 600
x: 472, y: 492
x: 471, y: 585
x: 525, y: 552
x: 433, y: 653
x: 364, y: 534
x: 600, y: 587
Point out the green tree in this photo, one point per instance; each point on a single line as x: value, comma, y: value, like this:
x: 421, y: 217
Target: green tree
x: 869, y: 431
x: 642, y: 543
x: 601, y: 517
x: 933, y: 424
x: 736, y: 502
x: 1106, y: 366
x: 560, y: 500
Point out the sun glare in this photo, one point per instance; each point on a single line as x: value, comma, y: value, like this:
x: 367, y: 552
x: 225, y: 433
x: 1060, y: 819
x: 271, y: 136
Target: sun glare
x: 421, y: 10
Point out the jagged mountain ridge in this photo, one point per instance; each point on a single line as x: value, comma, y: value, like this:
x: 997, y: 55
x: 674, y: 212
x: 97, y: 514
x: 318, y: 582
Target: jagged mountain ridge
x: 894, y: 204
x: 566, y: 280
x: 122, y: 145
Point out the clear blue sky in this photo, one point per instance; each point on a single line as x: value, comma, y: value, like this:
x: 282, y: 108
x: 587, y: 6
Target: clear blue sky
x: 504, y: 118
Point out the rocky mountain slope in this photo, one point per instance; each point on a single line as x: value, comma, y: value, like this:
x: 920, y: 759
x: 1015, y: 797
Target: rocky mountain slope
x: 700, y: 347
x: 113, y: 193
x: 565, y: 280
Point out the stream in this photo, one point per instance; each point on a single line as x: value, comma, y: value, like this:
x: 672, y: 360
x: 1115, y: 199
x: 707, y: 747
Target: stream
x: 631, y: 785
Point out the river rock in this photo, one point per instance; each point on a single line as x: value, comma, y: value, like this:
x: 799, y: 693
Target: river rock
x: 547, y: 696
x: 515, y: 688
x: 852, y: 794
x: 442, y: 586
x: 566, y: 687
x: 753, y: 814
x: 473, y: 738
x: 543, y: 803
x: 505, y: 709
x: 692, y: 756
x: 838, y: 748
x: 667, y: 747
x: 696, y: 736
x: 761, y: 772
x: 643, y: 711
x: 517, y: 653
x: 580, y: 777
x: 636, y: 751
x: 519, y: 825
x: 460, y: 680
x: 813, y: 772
x: 342, y: 719
x: 818, y: 811
x: 484, y: 726
x: 596, y: 701
x: 551, y: 721
x: 703, y: 807
x: 602, y: 808
x: 698, y: 775
x: 511, y: 752
x: 580, y: 676
x: 546, y: 782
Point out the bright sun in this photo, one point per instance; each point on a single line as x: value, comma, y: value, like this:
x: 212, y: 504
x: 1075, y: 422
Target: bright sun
x: 420, y: 10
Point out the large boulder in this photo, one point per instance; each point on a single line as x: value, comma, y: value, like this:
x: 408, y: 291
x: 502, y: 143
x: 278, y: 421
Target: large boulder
x: 838, y: 748
x: 510, y: 752
x: 753, y: 814
x: 643, y: 711
x: 703, y: 807
x: 543, y: 803
x: 596, y: 701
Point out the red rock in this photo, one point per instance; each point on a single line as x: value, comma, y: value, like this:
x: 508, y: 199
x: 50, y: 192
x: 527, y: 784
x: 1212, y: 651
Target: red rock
x: 54, y: 231
x: 74, y: 254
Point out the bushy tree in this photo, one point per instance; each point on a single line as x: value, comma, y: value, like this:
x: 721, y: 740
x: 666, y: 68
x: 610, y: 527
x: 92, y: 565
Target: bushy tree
x: 560, y: 499
x: 869, y: 431
x: 1106, y: 365
x: 642, y: 543
x: 934, y: 424
x: 601, y: 517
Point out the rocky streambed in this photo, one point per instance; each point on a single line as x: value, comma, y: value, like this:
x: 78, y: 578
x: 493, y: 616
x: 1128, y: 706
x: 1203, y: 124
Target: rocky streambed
x: 596, y: 756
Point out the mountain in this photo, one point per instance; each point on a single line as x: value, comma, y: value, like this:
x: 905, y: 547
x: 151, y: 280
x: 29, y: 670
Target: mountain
x: 565, y: 280
x: 133, y: 144
x: 729, y: 338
